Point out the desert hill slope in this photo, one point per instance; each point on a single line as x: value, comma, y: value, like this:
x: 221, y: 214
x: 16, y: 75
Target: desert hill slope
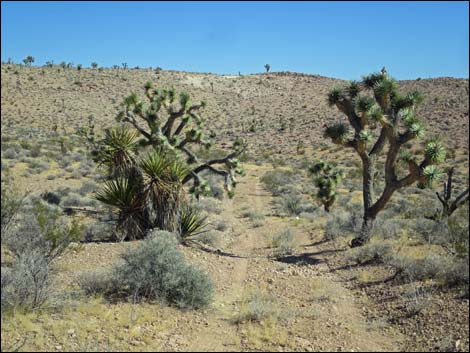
x: 272, y: 111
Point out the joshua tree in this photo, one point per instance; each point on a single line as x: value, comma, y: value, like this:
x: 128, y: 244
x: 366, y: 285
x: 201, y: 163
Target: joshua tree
x: 449, y: 207
x: 168, y: 125
x: 393, y: 115
x: 300, y: 147
x: 267, y: 67
x: 79, y: 67
x: 28, y: 60
x: 94, y: 65
x: 326, y: 179
x: 124, y: 65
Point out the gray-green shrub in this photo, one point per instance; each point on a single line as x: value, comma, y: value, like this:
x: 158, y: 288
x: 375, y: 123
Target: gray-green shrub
x: 157, y: 270
x: 283, y: 243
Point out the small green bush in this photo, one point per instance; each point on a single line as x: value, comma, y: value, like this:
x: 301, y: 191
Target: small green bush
x: 27, y: 283
x: 377, y: 252
x: 256, y: 307
x: 291, y: 204
x: 283, y: 243
x: 279, y: 181
x: 156, y: 270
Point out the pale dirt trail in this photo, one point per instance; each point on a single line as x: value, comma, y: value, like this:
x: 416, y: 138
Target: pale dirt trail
x: 319, y: 313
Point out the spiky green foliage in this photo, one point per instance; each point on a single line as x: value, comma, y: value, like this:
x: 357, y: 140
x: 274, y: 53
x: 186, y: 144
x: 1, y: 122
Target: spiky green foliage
x: 394, y: 115
x: 124, y: 196
x: 363, y: 104
x: 335, y: 95
x: 431, y: 174
x: 118, y: 149
x: 338, y: 131
x: 366, y: 135
x: 326, y: 179
x: 353, y: 89
x: 434, y: 151
x: 193, y: 223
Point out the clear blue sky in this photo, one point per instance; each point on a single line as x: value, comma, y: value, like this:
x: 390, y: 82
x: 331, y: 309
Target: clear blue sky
x: 337, y: 39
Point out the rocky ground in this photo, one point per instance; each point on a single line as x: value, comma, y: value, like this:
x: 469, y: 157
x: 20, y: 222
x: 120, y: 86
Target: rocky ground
x: 272, y: 111
x: 313, y: 302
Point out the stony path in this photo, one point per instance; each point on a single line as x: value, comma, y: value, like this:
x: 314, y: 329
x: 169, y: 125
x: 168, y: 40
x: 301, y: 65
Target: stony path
x: 316, y: 311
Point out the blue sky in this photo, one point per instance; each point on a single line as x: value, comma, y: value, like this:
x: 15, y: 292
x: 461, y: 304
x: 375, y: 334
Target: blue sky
x: 336, y: 39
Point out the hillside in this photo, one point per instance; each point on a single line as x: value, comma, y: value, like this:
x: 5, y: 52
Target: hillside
x: 285, y: 107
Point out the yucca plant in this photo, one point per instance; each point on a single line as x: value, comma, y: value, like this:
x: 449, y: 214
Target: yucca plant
x: 193, y: 223
x: 163, y: 176
x: 118, y: 151
x: 124, y: 195
x: 168, y: 124
x: 393, y: 115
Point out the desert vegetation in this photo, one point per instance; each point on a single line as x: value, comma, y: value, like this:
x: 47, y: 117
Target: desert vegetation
x: 205, y: 216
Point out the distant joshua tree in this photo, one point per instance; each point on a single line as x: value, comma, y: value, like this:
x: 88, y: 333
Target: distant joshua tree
x: 326, y: 180
x: 94, y: 65
x: 28, y: 60
x: 124, y: 65
x: 267, y: 67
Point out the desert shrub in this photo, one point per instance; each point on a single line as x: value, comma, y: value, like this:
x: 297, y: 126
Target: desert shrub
x: 35, y: 151
x: 27, y: 283
x: 208, y: 205
x: 290, y: 204
x: 97, y: 282
x: 87, y: 187
x: 410, y: 270
x: 375, y: 252
x: 51, y: 197
x: 63, y: 191
x: 342, y: 223
x: 77, y: 157
x: 73, y: 199
x: 388, y: 228
x: 11, y: 203
x: 279, y: 181
x: 221, y: 226
x: 157, y: 270
x: 37, y: 167
x: 256, y: 217
x: 283, y: 243
x: 99, y: 231
x: 64, y: 162
x: 210, y: 238
x: 456, y: 274
x: 456, y: 238
x: 416, y: 299
x: 10, y: 153
x: 256, y: 307
x: 41, y: 228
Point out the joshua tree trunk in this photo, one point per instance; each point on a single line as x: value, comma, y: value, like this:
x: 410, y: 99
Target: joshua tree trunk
x: 449, y: 207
